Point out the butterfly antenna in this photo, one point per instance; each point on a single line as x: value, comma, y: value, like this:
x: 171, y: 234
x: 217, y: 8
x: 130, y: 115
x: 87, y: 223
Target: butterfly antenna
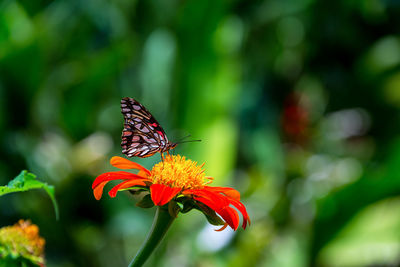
x: 188, y: 141
x: 183, y: 138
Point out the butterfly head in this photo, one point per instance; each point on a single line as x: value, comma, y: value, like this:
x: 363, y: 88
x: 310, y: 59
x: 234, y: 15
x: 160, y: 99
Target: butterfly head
x: 170, y: 146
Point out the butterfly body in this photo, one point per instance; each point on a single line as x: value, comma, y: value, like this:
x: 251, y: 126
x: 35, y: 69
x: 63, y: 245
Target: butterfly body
x: 142, y: 135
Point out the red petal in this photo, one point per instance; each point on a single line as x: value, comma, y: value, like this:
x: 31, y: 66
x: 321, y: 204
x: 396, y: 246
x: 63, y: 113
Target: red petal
x: 122, y: 163
x: 120, y: 175
x: 242, y: 210
x: 214, y: 197
x: 227, y: 191
x: 220, y: 204
x: 229, y: 215
x: 162, y: 194
x: 104, y: 178
x: 113, y: 192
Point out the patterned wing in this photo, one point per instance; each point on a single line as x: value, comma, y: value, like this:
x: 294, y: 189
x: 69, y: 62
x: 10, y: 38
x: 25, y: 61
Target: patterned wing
x: 142, y: 135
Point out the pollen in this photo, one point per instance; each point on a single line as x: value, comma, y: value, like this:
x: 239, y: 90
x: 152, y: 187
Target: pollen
x: 177, y: 171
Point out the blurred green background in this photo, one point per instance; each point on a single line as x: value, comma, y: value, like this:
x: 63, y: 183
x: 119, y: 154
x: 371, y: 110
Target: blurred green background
x: 296, y: 103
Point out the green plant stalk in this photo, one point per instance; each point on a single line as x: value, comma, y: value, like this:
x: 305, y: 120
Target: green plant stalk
x: 162, y: 222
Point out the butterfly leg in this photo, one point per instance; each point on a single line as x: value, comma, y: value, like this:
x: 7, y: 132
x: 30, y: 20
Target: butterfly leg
x: 162, y: 158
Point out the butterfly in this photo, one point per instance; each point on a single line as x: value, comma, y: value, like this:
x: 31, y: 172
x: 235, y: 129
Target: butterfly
x: 142, y: 135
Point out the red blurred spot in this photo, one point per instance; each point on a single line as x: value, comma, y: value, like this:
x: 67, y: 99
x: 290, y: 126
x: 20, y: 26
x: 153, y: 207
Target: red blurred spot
x: 295, y: 119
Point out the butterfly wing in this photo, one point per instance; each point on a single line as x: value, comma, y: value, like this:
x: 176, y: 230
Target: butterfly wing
x: 142, y: 135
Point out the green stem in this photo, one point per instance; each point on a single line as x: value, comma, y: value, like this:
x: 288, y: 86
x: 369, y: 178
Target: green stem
x: 162, y: 222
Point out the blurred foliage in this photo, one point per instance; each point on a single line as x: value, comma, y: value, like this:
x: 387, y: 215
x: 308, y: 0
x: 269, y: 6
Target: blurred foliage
x: 296, y: 102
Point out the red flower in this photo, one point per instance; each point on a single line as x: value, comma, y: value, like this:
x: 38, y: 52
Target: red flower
x: 178, y: 182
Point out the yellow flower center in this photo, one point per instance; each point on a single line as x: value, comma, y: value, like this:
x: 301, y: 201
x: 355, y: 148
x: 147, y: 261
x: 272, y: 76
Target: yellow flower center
x: 176, y: 171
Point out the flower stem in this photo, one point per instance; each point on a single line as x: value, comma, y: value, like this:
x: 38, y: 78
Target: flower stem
x: 162, y: 222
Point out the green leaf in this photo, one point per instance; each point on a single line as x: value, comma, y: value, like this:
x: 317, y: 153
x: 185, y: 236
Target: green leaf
x: 210, y: 214
x: 145, y: 202
x: 26, y: 181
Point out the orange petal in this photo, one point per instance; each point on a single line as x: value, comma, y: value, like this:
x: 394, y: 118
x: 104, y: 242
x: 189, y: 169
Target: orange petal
x: 98, y: 190
x: 227, y: 191
x: 222, y: 228
x: 143, y: 173
x: 113, y: 192
x: 162, y: 194
x: 122, y: 163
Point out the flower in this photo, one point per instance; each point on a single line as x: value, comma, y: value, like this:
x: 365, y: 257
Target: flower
x: 181, y: 184
x: 22, y: 240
